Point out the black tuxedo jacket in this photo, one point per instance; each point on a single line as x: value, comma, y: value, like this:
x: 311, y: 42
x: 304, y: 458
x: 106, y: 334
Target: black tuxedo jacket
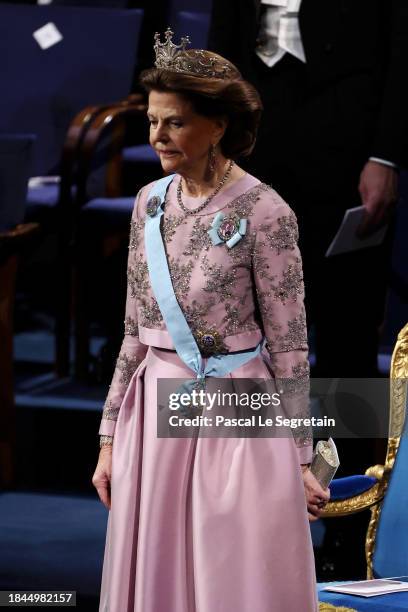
x: 356, y: 52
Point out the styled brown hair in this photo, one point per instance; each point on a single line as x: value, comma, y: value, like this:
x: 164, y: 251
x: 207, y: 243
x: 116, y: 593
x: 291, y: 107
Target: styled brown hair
x: 232, y: 97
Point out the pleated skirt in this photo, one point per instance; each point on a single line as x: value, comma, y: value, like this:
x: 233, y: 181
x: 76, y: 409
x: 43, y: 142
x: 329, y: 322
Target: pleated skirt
x: 203, y: 524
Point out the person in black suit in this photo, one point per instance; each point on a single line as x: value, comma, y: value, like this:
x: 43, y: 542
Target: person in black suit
x: 332, y: 77
x: 333, y: 80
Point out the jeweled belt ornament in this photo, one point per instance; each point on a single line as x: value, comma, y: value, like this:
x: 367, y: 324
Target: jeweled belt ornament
x: 210, y: 342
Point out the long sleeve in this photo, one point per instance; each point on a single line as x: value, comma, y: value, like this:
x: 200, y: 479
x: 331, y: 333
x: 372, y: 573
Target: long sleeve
x: 132, y: 351
x: 279, y: 286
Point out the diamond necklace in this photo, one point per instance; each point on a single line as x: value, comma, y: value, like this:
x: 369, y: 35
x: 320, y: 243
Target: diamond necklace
x: 193, y: 211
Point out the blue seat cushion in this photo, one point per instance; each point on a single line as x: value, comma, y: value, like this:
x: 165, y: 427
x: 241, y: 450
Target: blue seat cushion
x: 140, y: 154
x: 110, y: 206
x: 114, y: 213
x: 118, y: 4
x: 46, y: 195
x: 42, y: 203
x: 349, y: 486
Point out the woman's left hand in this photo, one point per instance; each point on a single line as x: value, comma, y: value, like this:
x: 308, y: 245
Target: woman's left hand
x: 316, y: 496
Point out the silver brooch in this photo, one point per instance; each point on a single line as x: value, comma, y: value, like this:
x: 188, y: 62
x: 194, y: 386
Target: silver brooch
x: 153, y: 205
x: 227, y: 229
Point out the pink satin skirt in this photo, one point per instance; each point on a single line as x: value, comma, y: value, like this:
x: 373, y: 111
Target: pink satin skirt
x: 203, y: 524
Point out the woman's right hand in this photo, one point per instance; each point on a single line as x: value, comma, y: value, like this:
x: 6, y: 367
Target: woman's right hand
x: 316, y: 496
x: 102, y: 475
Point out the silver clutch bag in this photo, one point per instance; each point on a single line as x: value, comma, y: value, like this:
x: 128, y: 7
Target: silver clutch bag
x: 325, y: 462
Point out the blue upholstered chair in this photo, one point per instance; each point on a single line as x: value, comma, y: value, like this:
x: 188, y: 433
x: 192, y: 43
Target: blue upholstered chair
x: 385, y: 491
x: 92, y: 65
x: 103, y: 212
x: 46, y: 93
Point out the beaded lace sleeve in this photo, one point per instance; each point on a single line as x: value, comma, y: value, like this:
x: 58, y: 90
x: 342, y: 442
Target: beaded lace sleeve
x: 132, y: 351
x: 278, y: 278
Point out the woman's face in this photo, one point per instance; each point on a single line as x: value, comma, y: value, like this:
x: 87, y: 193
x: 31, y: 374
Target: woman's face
x: 180, y: 136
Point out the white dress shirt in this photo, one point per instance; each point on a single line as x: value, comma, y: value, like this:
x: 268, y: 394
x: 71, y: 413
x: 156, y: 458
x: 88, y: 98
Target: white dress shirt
x: 279, y: 31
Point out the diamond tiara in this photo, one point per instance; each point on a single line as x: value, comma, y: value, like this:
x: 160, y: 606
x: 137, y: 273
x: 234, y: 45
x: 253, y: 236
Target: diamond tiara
x: 196, y: 62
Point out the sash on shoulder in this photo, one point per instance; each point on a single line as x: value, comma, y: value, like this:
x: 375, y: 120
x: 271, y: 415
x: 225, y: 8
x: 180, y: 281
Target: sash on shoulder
x: 160, y: 281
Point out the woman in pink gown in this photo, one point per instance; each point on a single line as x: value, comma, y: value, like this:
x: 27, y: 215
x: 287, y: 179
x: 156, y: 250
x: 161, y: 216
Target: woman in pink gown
x: 208, y: 524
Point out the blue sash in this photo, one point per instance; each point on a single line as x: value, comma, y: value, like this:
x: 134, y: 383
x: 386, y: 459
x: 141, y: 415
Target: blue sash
x: 160, y: 281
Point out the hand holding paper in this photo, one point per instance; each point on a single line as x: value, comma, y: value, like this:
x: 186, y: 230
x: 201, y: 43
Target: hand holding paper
x: 378, y: 189
x: 346, y: 239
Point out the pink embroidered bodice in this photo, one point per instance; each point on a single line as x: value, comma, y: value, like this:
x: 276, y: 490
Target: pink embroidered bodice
x: 237, y: 295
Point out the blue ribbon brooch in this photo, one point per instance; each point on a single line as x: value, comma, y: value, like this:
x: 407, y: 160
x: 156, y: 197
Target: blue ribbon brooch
x: 227, y: 229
